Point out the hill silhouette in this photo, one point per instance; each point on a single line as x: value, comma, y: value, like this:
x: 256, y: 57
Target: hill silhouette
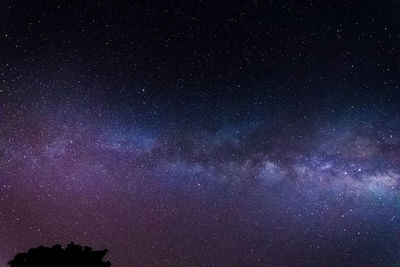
x: 56, y: 256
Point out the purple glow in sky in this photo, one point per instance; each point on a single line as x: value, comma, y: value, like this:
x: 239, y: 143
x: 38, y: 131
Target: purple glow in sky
x: 182, y: 197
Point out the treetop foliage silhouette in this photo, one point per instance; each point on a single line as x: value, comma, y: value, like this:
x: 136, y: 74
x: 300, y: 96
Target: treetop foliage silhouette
x: 56, y: 256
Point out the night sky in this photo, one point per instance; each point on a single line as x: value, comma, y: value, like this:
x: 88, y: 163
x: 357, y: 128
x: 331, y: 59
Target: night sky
x: 202, y: 133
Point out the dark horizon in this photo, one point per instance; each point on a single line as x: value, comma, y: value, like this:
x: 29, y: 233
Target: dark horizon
x: 250, y: 133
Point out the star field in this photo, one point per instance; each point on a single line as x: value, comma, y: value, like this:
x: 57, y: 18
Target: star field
x: 247, y: 133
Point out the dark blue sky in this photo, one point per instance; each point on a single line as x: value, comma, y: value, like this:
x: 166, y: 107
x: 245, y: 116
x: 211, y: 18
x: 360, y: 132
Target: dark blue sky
x: 203, y: 133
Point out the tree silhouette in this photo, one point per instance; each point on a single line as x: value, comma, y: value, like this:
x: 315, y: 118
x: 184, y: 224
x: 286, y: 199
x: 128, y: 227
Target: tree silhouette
x: 56, y: 256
